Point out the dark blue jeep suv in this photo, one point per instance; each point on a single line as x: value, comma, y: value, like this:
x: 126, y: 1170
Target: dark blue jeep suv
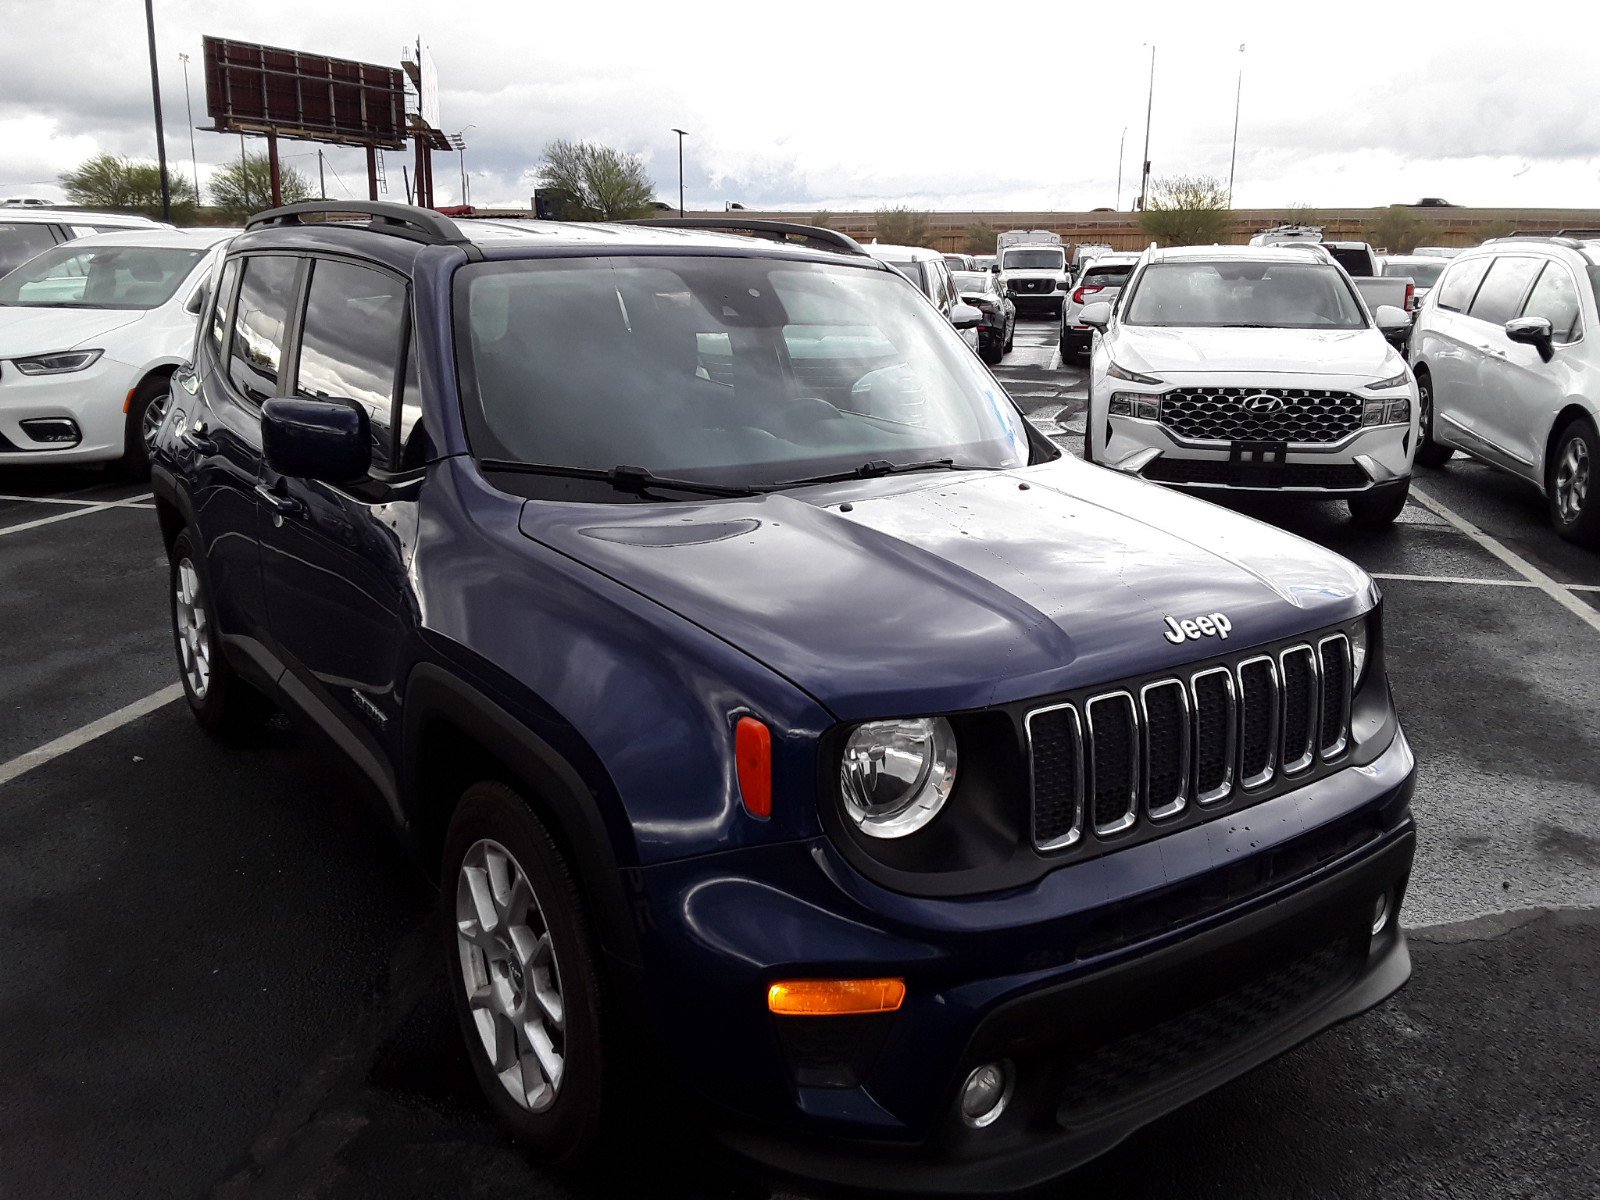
x: 933, y: 809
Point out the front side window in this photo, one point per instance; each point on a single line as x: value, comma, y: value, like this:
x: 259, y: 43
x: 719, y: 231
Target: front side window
x: 1500, y: 297
x: 117, y: 277
x: 259, y: 321
x: 350, y: 341
x: 743, y: 371
x: 1555, y: 298
x: 219, y: 310
x: 1033, y: 260
x: 1245, y: 295
x: 1461, y: 284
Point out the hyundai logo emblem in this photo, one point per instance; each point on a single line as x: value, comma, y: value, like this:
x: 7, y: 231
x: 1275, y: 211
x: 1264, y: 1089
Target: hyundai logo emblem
x: 1261, y: 402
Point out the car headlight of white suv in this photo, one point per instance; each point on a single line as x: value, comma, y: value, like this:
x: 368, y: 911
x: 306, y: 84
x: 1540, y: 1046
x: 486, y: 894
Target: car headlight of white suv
x: 62, y: 363
x: 1144, y: 406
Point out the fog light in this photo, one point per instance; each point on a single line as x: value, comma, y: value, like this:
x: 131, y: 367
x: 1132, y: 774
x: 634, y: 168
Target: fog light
x: 55, y: 430
x: 1380, y: 914
x: 985, y: 1094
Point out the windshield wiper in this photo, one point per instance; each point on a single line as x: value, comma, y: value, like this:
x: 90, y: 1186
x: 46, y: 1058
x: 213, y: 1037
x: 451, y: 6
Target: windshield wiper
x: 1247, y: 325
x: 623, y: 478
x: 881, y: 466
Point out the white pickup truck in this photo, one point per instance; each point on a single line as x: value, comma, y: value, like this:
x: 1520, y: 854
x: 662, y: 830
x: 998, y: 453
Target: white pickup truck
x: 1033, y: 268
x: 1357, y: 258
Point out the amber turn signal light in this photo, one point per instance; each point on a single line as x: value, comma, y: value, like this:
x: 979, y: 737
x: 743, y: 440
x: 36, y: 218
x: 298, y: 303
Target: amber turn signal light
x: 835, y: 997
x: 752, y: 758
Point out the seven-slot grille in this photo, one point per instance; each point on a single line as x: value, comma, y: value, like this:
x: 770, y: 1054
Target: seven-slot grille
x: 1104, y: 765
x: 1231, y: 414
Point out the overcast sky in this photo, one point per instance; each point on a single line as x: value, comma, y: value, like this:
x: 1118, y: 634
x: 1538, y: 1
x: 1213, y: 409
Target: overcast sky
x: 870, y: 103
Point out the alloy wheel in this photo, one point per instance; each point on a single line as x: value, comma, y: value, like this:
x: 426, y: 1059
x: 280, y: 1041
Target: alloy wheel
x: 151, y: 421
x: 191, y: 624
x: 510, y: 976
x: 1572, y: 479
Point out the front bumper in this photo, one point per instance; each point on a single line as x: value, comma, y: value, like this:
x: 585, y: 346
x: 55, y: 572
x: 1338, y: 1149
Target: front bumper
x: 92, y: 399
x: 1118, y: 988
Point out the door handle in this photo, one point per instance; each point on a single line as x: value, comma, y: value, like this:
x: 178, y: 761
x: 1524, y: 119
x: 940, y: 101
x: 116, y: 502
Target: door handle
x: 194, y: 437
x: 281, y: 505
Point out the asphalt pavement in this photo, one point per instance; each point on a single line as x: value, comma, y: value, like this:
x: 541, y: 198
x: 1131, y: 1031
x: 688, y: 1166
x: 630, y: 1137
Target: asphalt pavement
x: 219, y: 979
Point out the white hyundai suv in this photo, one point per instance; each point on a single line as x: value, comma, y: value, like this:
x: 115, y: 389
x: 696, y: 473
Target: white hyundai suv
x: 90, y: 333
x: 1508, y: 370
x: 1253, y: 369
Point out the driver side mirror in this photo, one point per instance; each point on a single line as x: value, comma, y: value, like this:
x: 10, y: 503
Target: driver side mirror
x: 965, y: 316
x: 197, y: 301
x: 1394, y: 323
x: 328, y: 440
x: 1096, y: 315
x: 1533, y: 331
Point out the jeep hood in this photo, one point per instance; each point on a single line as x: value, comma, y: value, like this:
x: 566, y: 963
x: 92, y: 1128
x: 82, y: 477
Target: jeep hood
x: 29, y: 331
x: 1353, y: 352
x: 950, y: 591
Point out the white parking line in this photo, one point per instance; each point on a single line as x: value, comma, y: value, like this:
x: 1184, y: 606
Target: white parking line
x: 134, y: 503
x: 71, y: 741
x: 1561, y: 594
x: 77, y: 512
x: 1455, y: 579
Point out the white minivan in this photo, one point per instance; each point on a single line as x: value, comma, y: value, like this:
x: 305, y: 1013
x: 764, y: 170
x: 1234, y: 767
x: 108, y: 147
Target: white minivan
x: 90, y: 333
x: 1253, y: 369
x: 1508, y: 371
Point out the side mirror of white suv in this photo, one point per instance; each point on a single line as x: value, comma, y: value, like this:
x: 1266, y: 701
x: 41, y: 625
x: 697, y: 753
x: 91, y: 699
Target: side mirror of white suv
x: 1096, y: 315
x: 1391, y: 319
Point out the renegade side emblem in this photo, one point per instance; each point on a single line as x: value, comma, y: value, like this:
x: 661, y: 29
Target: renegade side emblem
x: 1262, y: 403
x: 1215, y: 625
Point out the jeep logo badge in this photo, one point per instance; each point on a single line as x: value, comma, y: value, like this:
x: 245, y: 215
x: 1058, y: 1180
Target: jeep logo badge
x: 1262, y: 403
x: 1215, y: 625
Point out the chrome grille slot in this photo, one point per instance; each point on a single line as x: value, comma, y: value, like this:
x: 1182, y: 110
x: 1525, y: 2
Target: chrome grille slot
x: 1258, y: 698
x: 1164, y: 707
x: 1333, y: 654
x: 1113, y: 762
x: 1302, y: 690
x: 1231, y: 414
x: 1215, y: 723
x: 1055, y: 744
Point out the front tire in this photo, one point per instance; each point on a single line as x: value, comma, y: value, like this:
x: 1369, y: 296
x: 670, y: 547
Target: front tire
x: 145, y: 410
x: 1011, y: 334
x: 1379, y: 508
x: 525, y: 977
x: 1429, y: 452
x: 218, y: 698
x: 1574, y: 506
x: 992, y: 353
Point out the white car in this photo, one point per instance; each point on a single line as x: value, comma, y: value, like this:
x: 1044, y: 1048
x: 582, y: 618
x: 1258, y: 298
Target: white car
x: 90, y: 332
x: 28, y: 229
x: 1100, y: 279
x: 1254, y: 370
x: 926, y: 270
x: 1508, y: 370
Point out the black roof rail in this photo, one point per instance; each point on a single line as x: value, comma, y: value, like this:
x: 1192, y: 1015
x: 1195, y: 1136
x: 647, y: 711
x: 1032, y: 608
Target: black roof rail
x: 1578, y: 233
x: 813, y: 237
x: 399, y: 220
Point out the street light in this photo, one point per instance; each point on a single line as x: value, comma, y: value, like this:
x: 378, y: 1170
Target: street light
x: 1149, y: 106
x: 194, y: 165
x: 1233, y: 157
x: 682, y: 133
x: 461, y: 149
x: 155, y: 95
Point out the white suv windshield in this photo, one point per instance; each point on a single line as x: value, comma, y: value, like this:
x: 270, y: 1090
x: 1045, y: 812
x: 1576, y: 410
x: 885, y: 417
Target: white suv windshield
x: 747, y: 371
x: 73, y: 276
x: 1263, y: 295
x: 1033, y: 260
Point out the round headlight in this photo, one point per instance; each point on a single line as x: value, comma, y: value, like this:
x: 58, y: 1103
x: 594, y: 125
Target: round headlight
x: 896, y: 775
x: 1358, y: 650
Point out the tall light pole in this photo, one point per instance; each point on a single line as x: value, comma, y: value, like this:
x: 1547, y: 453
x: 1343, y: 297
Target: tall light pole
x: 1233, y: 157
x: 155, y: 95
x: 1120, y: 142
x: 461, y: 150
x: 188, y: 107
x: 1149, y: 106
x: 682, y: 133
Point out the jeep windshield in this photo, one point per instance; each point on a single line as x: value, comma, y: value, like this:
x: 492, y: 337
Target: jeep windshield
x: 1265, y: 295
x: 1033, y: 260
x: 748, y: 372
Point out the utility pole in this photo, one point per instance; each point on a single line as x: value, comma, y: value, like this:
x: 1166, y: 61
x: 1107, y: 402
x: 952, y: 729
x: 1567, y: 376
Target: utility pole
x: 188, y: 106
x: 1149, y: 106
x: 1233, y: 157
x: 1120, y: 142
x: 681, y: 135
x: 155, y: 94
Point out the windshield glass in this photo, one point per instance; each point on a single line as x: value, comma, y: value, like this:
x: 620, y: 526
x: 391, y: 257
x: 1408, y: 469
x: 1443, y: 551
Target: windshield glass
x: 76, y: 276
x: 749, y: 371
x: 973, y: 281
x: 1423, y: 274
x: 1110, y: 275
x: 1216, y: 295
x: 1033, y: 260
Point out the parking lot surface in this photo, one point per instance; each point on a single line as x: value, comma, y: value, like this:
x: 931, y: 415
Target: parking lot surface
x: 220, y: 972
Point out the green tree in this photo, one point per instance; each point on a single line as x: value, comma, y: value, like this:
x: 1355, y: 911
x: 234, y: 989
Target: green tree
x: 980, y: 238
x: 1303, y: 214
x: 596, y: 183
x: 111, y: 181
x: 243, y: 188
x: 1398, y: 230
x: 822, y: 220
x: 902, y: 226
x: 1188, y: 210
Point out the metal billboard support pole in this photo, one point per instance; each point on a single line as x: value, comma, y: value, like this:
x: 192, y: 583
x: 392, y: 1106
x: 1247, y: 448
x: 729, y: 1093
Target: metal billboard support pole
x: 681, y: 134
x: 272, y: 167
x: 155, y: 94
x: 372, y: 172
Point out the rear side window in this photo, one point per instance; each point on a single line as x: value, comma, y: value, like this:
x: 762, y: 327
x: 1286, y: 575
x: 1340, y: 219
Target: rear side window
x: 259, y: 319
x: 219, y: 312
x: 1500, y: 297
x: 1461, y: 283
x: 1555, y: 298
x: 20, y: 241
x: 351, y: 342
